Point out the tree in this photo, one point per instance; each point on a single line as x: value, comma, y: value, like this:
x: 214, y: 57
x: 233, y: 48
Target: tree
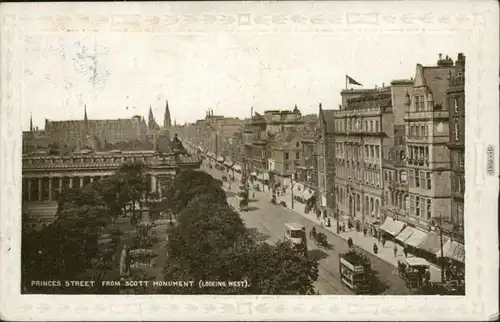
x: 188, y: 185
x: 211, y: 242
x: 131, y: 178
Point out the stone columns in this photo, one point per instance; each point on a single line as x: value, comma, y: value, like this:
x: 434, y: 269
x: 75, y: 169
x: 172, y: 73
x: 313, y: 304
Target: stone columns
x: 29, y: 189
x: 50, y: 188
x: 91, y: 179
x: 39, y: 189
x: 70, y: 182
x: 81, y: 181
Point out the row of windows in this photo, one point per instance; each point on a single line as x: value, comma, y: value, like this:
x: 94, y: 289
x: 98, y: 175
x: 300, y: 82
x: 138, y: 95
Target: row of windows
x: 352, y: 151
x: 400, y: 176
x: 420, y: 179
x: 357, y: 125
x: 369, y: 176
x: 457, y: 131
x: 397, y: 199
x: 287, y: 155
x: 417, y: 152
x: 420, y: 103
x: 418, y: 131
x: 420, y: 207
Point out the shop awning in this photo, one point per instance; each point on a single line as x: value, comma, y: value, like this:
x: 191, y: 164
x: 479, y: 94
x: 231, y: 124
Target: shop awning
x: 254, y: 174
x: 416, y: 261
x: 416, y: 238
x: 453, y: 250
x: 298, y: 189
x: 392, y: 226
x: 432, y: 243
x: 220, y: 159
x: 405, y: 234
x: 237, y: 167
x: 227, y: 163
x: 260, y: 177
x: 265, y: 176
x: 308, y: 194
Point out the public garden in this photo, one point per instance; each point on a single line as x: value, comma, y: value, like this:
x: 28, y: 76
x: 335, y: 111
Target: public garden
x: 114, y: 229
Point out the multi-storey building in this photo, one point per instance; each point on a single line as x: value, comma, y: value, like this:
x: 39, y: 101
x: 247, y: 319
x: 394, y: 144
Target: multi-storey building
x: 261, y: 130
x: 427, y: 135
x: 78, y: 133
x: 286, y: 153
x: 365, y: 136
x: 325, y: 162
x: 455, y: 99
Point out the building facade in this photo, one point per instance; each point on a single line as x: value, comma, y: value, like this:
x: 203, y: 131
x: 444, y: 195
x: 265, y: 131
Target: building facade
x: 326, y: 162
x: 455, y: 101
x: 85, y: 133
x: 427, y: 137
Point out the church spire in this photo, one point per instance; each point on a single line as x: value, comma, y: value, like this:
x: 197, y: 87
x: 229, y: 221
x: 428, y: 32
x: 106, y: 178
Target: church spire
x: 167, y: 121
x: 31, y: 122
x: 85, y: 113
x: 151, y: 120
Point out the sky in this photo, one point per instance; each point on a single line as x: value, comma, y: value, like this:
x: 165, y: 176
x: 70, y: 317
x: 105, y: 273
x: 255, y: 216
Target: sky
x: 228, y: 72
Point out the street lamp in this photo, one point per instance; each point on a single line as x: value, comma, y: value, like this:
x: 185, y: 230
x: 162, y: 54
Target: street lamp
x: 293, y: 184
x: 440, y: 227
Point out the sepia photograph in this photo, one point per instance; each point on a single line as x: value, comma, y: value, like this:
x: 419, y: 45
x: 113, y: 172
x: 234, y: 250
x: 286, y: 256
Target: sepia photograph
x: 247, y: 154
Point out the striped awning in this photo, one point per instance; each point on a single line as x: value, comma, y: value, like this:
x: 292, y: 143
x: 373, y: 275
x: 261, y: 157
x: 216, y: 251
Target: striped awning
x: 392, y: 226
x: 453, y: 250
x: 416, y: 238
x: 432, y: 243
x: 405, y: 234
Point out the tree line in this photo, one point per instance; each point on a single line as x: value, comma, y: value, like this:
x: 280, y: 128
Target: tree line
x: 208, y: 241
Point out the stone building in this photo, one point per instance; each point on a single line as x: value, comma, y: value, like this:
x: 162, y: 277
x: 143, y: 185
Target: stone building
x: 260, y: 131
x: 365, y: 136
x: 427, y: 136
x: 85, y: 133
x: 326, y: 161
x: 455, y: 99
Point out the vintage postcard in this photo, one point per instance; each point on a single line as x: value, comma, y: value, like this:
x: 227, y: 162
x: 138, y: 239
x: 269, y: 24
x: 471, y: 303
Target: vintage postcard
x: 249, y: 161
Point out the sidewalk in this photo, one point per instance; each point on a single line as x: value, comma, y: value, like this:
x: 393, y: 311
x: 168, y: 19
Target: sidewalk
x: 365, y: 242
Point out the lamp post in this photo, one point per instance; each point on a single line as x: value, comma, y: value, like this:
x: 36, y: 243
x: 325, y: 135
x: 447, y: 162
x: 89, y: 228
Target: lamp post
x: 440, y: 227
x: 293, y: 184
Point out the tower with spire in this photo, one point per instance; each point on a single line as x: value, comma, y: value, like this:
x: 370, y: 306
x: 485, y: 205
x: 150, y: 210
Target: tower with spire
x: 167, y: 121
x: 152, y: 125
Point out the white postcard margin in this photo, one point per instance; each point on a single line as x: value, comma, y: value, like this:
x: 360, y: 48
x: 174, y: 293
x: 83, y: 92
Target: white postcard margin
x: 478, y: 19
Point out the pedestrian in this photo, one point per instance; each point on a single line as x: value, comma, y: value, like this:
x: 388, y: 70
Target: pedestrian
x: 253, y: 195
x: 364, y: 231
x: 405, y: 251
x: 395, y: 250
x: 343, y: 227
x: 375, y: 248
x: 349, y: 242
x: 383, y: 242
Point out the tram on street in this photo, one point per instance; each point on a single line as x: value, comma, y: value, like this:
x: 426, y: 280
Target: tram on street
x: 295, y: 234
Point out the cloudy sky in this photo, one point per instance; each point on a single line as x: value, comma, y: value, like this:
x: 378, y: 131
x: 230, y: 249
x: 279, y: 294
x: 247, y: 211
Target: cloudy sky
x: 225, y: 71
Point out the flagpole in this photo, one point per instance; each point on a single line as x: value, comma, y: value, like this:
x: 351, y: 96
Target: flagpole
x: 346, y: 82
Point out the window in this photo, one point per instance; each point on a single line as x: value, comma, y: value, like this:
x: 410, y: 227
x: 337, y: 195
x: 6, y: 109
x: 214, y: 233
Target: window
x: 297, y: 144
x: 417, y: 103
x: 390, y: 176
x: 377, y: 152
x: 462, y: 160
x: 385, y: 175
x: 372, y: 152
x: 412, y: 178
x: 286, y: 156
x: 370, y: 129
x: 297, y: 155
x: 429, y: 209
x: 429, y: 182
x: 412, y: 205
x: 456, y: 104
x: 417, y: 206
x: 358, y: 202
x: 457, y: 133
x: 287, y: 167
x: 417, y: 179
x: 422, y: 180
x: 376, y: 126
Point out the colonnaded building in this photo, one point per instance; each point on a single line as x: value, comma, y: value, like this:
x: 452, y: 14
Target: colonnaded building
x: 69, y: 154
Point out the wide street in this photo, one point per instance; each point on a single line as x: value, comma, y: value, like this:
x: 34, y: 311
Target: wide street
x: 267, y: 222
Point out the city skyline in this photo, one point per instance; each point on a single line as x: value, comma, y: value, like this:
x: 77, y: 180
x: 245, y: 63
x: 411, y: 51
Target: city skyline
x: 266, y: 73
